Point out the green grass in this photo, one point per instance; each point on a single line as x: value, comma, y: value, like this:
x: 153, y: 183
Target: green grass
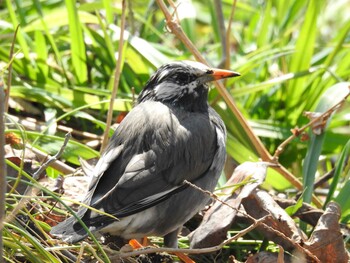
x: 291, y: 54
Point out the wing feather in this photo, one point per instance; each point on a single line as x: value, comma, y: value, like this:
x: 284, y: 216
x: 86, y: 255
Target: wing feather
x: 151, y: 153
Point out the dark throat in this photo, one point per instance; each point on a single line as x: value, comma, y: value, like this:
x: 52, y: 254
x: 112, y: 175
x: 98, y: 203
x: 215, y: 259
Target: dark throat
x: 196, y: 101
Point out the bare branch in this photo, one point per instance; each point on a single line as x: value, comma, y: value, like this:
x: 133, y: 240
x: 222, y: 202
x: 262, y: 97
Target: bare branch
x: 260, y: 221
x: 191, y: 251
x: 116, y: 78
x: 223, y: 35
x: 53, y: 158
x: 9, y: 78
x: 228, y: 33
x: 297, y: 132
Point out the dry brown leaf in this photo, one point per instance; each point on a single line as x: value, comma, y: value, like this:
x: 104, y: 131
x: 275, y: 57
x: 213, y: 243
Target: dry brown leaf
x: 260, y: 204
x: 29, y: 165
x: 12, y: 139
x: 306, y: 212
x: 218, y: 219
x: 326, y: 241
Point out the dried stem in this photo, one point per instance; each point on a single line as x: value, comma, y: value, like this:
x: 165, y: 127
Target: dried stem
x: 216, y: 198
x: 228, y: 34
x: 191, y: 251
x: 85, y: 245
x: 53, y: 158
x: 223, y: 35
x: 176, y: 29
x: 9, y: 78
x: 255, y: 222
x: 56, y: 164
x: 116, y: 78
x: 297, y: 132
x: 296, y: 244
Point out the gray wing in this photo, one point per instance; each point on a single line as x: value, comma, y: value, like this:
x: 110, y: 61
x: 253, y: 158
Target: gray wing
x: 152, y: 152
x: 157, y: 149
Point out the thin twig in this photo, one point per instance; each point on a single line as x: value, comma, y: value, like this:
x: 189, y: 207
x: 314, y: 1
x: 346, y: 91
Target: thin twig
x: 85, y: 245
x: 299, y: 131
x: 116, y: 78
x: 256, y: 223
x: 222, y: 31
x: 296, y: 244
x: 271, y: 229
x: 216, y: 198
x: 228, y: 34
x: 324, y: 178
x: 2, y: 165
x: 192, y: 251
x: 53, y: 158
x: 9, y: 78
x: 175, y: 13
x: 131, y: 18
x: 56, y: 164
x: 35, y: 125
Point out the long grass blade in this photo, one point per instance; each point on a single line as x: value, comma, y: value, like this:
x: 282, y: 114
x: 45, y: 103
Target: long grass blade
x: 304, y: 50
x: 331, y: 97
x: 77, y: 43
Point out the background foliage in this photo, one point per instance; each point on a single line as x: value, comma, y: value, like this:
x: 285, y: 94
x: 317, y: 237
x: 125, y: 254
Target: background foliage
x: 290, y: 55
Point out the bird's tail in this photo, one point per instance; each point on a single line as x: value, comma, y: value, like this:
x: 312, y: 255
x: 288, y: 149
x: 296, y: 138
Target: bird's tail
x: 70, y: 230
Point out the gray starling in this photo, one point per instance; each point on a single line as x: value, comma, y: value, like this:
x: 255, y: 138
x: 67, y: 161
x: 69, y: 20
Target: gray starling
x: 171, y: 135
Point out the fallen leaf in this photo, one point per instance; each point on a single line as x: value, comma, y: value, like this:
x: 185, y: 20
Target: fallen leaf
x: 218, y: 219
x: 260, y: 204
x: 326, y: 241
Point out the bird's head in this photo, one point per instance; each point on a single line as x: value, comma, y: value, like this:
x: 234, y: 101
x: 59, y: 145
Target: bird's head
x: 183, y: 84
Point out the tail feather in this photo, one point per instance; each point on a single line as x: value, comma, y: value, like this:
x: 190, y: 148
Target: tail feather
x: 69, y: 231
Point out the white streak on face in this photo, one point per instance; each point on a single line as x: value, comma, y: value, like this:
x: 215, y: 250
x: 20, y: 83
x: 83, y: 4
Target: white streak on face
x: 163, y: 74
x: 192, y: 85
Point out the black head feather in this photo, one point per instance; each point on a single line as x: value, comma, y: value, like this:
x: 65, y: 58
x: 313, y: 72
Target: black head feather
x: 182, y: 84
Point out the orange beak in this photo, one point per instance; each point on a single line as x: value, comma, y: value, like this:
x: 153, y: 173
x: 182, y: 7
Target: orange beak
x: 223, y: 73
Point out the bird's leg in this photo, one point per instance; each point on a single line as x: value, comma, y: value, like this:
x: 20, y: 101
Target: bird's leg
x: 170, y: 239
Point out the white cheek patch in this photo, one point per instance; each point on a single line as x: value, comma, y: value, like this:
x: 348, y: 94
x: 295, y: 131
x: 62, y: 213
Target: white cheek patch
x: 192, y: 85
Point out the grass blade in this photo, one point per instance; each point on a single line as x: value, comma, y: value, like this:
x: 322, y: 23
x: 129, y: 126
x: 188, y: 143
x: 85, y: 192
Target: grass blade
x: 343, y: 158
x: 77, y: 43
x: 332, y: 96
x: 304, y: 50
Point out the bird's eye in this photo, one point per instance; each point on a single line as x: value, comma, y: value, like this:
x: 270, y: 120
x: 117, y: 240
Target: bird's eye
x: 182, y: 78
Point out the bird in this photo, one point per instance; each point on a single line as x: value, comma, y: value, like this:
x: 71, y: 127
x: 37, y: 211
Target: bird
x: 172, y: 135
